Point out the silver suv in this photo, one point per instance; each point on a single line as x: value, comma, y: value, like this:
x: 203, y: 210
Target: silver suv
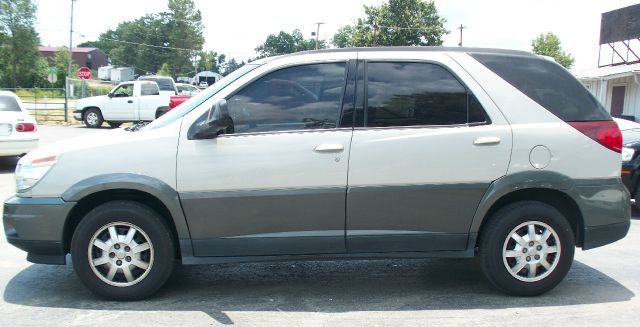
x: 350, y: 153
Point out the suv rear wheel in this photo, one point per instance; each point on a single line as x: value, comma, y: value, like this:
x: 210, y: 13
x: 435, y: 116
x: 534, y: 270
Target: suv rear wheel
x: 526, y: 248
x: 123, y: 250
x: 93, y: 118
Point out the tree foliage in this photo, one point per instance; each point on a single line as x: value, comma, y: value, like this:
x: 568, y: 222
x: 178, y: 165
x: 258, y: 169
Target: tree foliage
x: 171, y: 37
x: 396, y: 23
x: 164, y: 70
x: 20, y: 63
x: 549, y: 45
x: 283, y: 43
x: 61, y: 62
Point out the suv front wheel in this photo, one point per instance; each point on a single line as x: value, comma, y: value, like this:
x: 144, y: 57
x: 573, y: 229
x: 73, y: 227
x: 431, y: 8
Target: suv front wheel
x: 123, y: 250
x: 526, y: 248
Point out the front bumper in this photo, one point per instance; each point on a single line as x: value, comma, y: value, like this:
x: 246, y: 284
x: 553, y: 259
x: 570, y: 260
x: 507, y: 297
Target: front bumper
x: 36, y: 225
x: 77, y: 114
x: 15, y: 147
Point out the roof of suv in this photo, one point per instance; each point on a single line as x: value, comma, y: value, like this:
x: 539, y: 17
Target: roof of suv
x: 406, y: 48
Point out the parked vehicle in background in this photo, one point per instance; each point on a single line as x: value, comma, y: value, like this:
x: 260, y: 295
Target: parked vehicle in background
x: 121, y: 74
x: 187, y: 89
x: 403, y: 152
x: 630, y: 157
x: 18, y: 130
x: 176, y: 100
x: 104, y: 73
x: 206, y: 78
x: 127, y: 102
x: 166, y: 83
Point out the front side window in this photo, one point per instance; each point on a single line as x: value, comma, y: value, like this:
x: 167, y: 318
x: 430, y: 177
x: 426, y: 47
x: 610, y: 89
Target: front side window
x: 125, y: 90
x: 293, y: 98
x: 414, y: 94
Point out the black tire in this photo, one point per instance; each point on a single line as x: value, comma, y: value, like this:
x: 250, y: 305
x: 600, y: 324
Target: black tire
x: 114, y: 124
x: 93, y: 118
x: 161, y: 111
x: 496, y: 237
x: 141, y: 217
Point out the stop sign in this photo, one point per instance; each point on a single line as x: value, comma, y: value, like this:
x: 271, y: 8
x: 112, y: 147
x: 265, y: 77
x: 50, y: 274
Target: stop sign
x: 84, y: 73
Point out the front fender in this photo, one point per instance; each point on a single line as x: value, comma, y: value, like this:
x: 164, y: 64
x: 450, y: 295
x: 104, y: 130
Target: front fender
x: 163, y: 192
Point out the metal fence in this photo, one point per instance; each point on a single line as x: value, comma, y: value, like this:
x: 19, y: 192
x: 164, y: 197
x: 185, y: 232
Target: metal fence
x: 56, y: 105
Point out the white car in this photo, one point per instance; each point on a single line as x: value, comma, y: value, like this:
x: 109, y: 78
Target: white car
x: 187, y: 89
x: 203, y: 84
x: 18, y: 130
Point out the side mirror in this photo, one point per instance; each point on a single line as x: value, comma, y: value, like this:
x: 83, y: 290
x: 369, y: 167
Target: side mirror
x: 218, y: 121
x: 110, y: 95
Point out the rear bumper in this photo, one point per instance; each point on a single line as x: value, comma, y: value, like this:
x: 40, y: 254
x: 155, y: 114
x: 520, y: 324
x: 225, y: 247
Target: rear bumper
x: 606, y: 212
x: 14, y: 147
x: 36, y: 225
x: 602, y: 235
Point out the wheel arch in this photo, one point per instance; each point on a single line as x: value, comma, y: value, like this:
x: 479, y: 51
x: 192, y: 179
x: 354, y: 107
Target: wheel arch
x: 152, y: 192
x: 546, y: 187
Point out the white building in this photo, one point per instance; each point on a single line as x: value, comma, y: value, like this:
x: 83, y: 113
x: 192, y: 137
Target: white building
x: 617, y: 88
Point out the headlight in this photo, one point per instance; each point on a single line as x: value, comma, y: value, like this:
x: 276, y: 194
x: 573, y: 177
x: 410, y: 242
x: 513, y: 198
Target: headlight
x: 30, y: 171
x: 627, y: 154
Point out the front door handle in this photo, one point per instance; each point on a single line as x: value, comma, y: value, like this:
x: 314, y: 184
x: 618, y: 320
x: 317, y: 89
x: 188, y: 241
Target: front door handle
x: 329, y: 148
x: 130, y: 101
x: 487, y: 140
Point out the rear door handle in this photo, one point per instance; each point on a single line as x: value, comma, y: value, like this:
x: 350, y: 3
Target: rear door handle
x: 130, y: 101
x: 487, y: 140
x: 329, y: 148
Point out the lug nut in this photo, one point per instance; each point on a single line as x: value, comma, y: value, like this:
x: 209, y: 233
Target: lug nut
x: 117, y: 246
x: 539, y: 247
x: 530, y: 243
x: 119, y: 262
x: 524, y: 250
x: 128, y: 258
x: 528, y: 258
x: 126, y: 248
x: 112, y: 254
x: 537, y: 257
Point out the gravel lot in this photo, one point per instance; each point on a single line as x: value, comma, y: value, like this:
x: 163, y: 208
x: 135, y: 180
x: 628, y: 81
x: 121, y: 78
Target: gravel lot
x: 599, y: 290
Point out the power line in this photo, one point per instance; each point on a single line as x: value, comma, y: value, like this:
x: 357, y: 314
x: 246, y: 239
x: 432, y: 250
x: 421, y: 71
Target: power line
x: 148, y: 45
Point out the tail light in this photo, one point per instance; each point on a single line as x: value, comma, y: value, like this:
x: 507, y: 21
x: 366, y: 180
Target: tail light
x: 25, y: 127
x: 605, y: 132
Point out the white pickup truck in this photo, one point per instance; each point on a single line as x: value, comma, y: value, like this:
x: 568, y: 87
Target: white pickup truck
x: 128, y: 102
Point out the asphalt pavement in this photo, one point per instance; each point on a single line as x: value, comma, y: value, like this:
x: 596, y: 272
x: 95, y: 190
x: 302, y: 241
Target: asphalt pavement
x: 600, y: 289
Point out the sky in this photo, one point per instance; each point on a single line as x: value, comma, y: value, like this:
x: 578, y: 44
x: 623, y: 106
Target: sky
x: 237, y: 27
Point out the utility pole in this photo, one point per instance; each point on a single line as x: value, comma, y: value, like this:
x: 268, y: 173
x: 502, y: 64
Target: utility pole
x: 461, y: 28
x: 318, y: 34
x: 70, y: 41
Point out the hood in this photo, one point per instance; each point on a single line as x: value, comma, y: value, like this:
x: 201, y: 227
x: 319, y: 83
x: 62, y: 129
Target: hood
x: 94, y: 140
x: 92, y: 99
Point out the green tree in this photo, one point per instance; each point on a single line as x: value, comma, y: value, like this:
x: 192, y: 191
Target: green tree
x: 185, y: 32
x: 164, y: 70
x: 19, y: 48
x: 61, y: 62
x: 549, y: 45
x: 283, y: 43
x: 342, y: 38
x: 396, y: 23
x: 148, y: 42
x: 231, y: 65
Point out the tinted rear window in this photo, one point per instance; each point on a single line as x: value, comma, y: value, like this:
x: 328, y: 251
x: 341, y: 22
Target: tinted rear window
x: 8, y: 103
x: 548, y: 84
x: 165, y: 84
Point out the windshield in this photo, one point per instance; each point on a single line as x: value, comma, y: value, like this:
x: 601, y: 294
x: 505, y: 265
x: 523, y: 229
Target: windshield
x: 9, y: 103
x: 201, y: 97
